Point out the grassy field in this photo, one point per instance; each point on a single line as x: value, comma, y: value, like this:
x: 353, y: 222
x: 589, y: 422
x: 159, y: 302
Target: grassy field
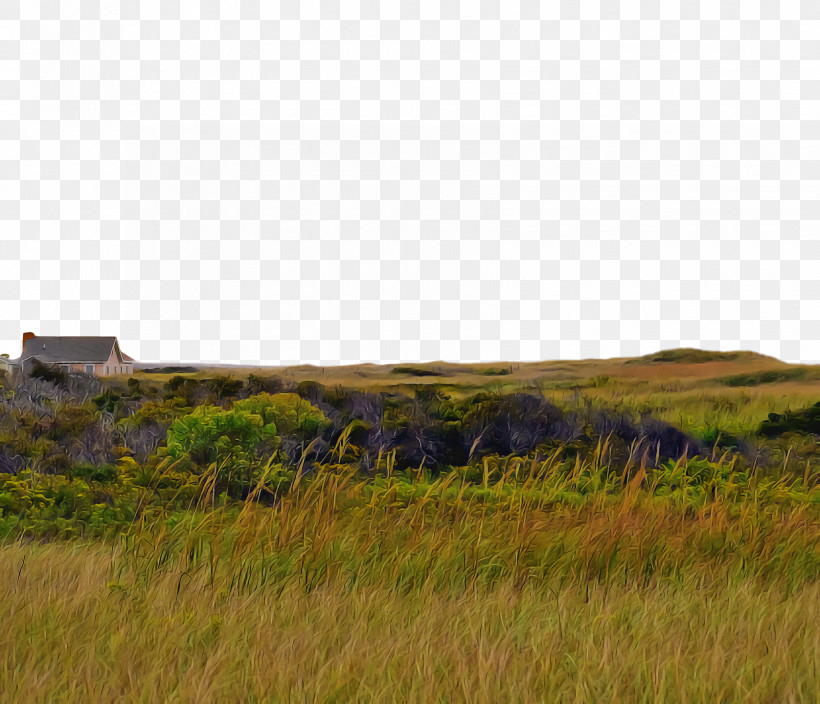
x: 562, y: 572
x: 340, y: 593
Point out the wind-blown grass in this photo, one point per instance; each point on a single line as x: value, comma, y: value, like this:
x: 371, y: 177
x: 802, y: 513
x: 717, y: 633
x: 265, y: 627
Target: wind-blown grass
x: 349, y: 591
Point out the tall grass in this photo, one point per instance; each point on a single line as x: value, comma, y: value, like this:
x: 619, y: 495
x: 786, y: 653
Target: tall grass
x: 693, y: 406
x: 425, y: 590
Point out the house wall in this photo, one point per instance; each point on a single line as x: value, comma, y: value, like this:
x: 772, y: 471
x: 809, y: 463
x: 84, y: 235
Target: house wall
x: 109, y: 367
x: 113, y: 366
x: 70, y: 367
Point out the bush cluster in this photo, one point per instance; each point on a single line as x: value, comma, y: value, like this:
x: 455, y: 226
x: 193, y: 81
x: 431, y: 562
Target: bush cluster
x: 233, y: 437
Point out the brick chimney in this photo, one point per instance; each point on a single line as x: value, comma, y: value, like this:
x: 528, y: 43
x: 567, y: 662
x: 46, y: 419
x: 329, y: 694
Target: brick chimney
x: 26, y: 337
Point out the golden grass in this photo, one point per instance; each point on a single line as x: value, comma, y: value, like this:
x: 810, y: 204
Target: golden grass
x: 342, y: 594
x: 68, y: 637
x: 381, y: 376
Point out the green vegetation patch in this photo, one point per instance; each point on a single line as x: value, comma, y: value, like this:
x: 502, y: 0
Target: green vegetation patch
x: 234, y: 443
x: 169, y: 370
x: 686, y: 355
x: 769, y: 376
x: 414, y: 371
x: 805, y: 420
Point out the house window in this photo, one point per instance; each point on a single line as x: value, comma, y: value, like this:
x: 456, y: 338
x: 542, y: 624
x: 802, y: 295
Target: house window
x: 106, y: 370
x: 64, y: 367
x: 89, y: 368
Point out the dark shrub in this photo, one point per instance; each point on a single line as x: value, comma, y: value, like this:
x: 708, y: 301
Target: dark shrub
x: 104, y: 473
x: 48, y: 373
x: 311, y: 391
x: 771, y: 376
x: 108, y: 401
x: 414, y: 371
x: 667, y: 440
x: 190, y: 390
x: 508, y: 424
x: 223, y: 387
x: 717, y: 437
x: 264, y: 384
x: 170, y: 370
x: 805, y: 420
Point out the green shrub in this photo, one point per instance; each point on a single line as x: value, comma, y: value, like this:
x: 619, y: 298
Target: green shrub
x: 290, y: 413
x: 717, y: 436
x: 805, y: 420
x: 108, y: 401
x: 169, y: 370
x: 414, y: 371
x: 104, y: 474
x: 222, y: 387
x: 161, y: 412
x: 686, y: 355
x: 770, y: 376
x: 232, y: 444
x: 211, y: 434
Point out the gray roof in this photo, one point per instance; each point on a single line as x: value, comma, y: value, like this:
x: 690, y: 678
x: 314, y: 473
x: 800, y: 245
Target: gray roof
x: 52, y: 350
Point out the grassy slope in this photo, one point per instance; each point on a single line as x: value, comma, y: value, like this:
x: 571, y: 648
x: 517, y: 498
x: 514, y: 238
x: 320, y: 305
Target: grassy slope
x: 686, y: 366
